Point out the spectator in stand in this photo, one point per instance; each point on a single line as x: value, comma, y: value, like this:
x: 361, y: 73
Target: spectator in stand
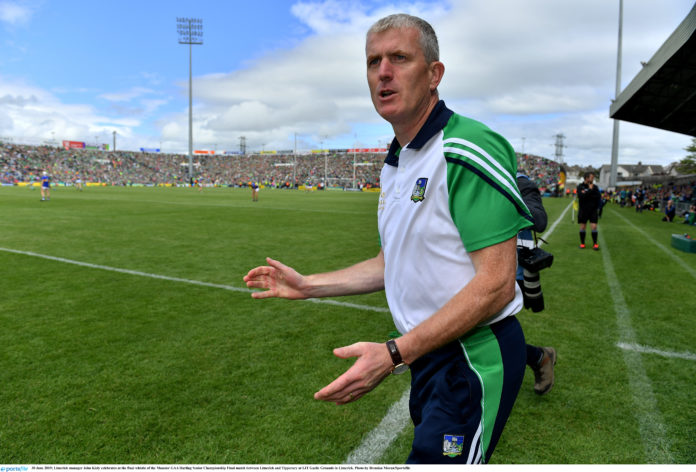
x: 690, y: 215
x: 640, y: 199
x: 670, y: 211
x: 602, y: 202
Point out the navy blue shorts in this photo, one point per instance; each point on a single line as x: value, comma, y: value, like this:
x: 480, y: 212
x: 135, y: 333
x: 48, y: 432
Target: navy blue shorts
x: 587, y: 215
x: 462, y: 394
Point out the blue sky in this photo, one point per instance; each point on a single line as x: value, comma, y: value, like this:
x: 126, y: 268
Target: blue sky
x: 276, y: 70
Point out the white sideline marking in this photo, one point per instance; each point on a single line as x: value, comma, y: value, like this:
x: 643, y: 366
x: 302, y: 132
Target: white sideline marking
x: 548, y: 233
x: 346, y: 304
x: 664, y: 248
x: 181, y: 280
x: 649, y: 350
x: 647, y: 412
x: 378, y: 440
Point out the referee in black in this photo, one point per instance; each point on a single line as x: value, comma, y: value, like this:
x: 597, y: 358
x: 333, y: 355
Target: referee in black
x: 589, y: 199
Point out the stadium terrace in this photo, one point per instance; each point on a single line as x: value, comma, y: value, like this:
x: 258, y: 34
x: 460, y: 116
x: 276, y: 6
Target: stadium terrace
x: 22, y: 164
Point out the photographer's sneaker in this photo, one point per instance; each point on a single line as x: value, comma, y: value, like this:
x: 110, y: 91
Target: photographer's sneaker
x: 543, y: 373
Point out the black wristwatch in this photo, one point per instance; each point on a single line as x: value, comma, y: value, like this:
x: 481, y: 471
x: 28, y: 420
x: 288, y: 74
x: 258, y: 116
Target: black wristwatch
x: 399, y: 365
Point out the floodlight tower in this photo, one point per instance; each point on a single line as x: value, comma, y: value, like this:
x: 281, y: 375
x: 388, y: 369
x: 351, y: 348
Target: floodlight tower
x: 190, y: 32
x: 615, y: 135
x: 559, y: 147
x: 326, y: 161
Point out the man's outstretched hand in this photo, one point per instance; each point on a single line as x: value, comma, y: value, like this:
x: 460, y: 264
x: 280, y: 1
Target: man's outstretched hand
x: 279, y: 280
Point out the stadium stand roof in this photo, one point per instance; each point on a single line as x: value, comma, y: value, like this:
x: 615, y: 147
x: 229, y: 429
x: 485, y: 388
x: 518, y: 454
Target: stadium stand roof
x: 663, y: 94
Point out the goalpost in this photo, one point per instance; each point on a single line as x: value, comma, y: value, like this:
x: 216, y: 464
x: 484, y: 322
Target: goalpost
x: 360, y: 164
x: 294, y: 169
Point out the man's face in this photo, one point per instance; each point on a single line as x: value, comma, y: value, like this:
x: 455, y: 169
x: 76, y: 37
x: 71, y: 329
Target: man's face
x: 400, y: 80
x: 589, y: 179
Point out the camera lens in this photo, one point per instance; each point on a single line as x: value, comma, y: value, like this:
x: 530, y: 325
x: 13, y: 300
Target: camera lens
x: 531, y: 290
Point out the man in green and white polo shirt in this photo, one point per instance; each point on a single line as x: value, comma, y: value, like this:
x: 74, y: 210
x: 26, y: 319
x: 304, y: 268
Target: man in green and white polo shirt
x: 448, y: 218
x: 453, y: 187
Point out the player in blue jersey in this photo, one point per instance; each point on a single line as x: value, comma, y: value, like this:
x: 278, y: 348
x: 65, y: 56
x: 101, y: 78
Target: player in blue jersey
x: 254, y: 191
x: 448, y: 217
x: 45, y: 186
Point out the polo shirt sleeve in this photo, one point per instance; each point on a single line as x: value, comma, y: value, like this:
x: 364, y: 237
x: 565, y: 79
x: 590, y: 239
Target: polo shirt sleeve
x: 485, y: 204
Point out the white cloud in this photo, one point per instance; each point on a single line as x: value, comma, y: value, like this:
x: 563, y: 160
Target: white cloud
x: 153, y: 104
x: 152, y: 78
x: 127, y: 95
x: 32, y: 113
x: 14, y: 12
x: 19, y: 101
x: 316, y: 88
x: 135, y: 102
x: 539, y: 100
x: 329, y: 17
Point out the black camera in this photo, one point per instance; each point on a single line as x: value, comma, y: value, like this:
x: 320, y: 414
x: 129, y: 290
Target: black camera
x: 534, y: 259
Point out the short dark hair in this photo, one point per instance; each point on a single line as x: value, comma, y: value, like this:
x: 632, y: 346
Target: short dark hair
x: 428, y: 38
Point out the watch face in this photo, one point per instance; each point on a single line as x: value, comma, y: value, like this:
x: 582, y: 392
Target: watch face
x: 400, y: 369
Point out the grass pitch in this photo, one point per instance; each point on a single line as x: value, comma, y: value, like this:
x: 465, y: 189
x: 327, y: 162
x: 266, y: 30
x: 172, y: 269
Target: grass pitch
x: 105, y: 366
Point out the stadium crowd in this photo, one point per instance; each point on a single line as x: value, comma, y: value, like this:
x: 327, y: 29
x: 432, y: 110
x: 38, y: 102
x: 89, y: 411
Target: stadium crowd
x: 671, y: 199
x: 25, y: 163
x: 653, y: 196
x: 543, y: 172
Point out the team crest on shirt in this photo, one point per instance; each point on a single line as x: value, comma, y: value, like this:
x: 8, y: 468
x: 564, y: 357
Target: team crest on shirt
x: 452, y: 445
x: 418, y: 194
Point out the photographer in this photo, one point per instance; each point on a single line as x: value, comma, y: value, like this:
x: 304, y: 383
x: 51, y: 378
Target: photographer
x: 540, y: 359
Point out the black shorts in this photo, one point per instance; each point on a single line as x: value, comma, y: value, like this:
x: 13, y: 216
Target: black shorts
x: 463, y: 392
x: 584, y: 215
